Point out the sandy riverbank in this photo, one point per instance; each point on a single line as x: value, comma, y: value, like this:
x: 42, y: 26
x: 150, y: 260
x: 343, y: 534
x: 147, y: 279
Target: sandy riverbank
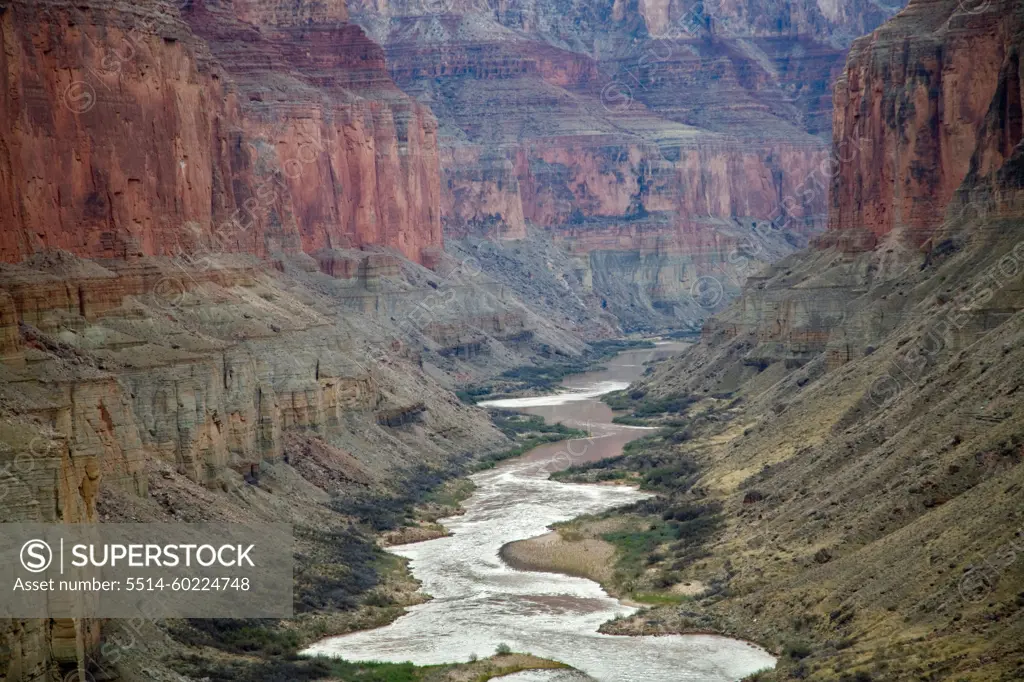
x: 590, y: 558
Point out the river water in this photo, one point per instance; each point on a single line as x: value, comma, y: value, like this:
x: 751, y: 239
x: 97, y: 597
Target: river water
x: 479, y: 602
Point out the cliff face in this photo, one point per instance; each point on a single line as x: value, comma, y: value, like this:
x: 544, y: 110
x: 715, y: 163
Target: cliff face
x: 927, y: 120
x: 357, y: 158
x: 936, y: 95
x: 616, y: 127
x: 125, y: 133
x: 213, y: 232
x: 153, y: 390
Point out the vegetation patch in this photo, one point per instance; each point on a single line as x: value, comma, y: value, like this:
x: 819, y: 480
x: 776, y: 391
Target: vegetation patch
x: 296, y: 669
x: 668, y: 535
x: 527, y: 431
x: 641, y: 408
x: 652, y: 461
x: 546, y: 377
x: 660, y: 537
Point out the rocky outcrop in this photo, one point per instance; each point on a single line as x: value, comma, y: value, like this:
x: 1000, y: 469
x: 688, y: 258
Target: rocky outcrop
x: 927, y: 123
x: 120, y: 377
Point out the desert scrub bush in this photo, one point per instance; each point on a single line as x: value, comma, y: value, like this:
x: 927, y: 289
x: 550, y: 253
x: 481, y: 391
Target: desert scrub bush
x: 617, y: 400
x: 514, y: 424
x: 503, y: 650
x: 796, y: 650
x: 379, y: 512
x: 634, y: 546
x: 473, y: 394
x: 677, y: 531
x: 237, y: 635
x: 452, y: 493
x: 645, y: 407
x: 528, y: 431
x: 654, y: 458
x: 676, y: 477
x: 627, y: 420
x: 336, y: 568
x: 546, y: 377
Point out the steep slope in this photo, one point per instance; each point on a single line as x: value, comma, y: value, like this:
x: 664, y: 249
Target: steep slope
x: 652, y: 140
x: 857, y: 412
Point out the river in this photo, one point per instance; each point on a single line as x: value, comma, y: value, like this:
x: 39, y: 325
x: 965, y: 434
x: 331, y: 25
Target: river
x: 479, y: 602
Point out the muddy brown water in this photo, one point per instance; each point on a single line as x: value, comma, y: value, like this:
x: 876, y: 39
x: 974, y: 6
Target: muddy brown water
x: 479, y: 602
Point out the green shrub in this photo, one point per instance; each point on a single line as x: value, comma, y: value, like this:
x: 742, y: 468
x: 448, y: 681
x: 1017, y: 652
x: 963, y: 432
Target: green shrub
x: 797, y: 650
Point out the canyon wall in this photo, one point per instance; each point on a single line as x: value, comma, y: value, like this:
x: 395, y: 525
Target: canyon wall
x: 131, y: 390
x: 857, y: 411
x: 936, y: 93
x: 213, y: 233
x: 635, y: 134
x: 125, y: 133
x: 928, y: 114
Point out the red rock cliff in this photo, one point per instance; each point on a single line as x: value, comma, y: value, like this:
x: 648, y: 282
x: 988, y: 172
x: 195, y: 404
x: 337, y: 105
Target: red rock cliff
x: 932, y: 98
x: 928, y: 145
x: 268, y: 128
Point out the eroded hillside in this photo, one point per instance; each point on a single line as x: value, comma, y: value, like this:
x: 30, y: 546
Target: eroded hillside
x: 857, y: 412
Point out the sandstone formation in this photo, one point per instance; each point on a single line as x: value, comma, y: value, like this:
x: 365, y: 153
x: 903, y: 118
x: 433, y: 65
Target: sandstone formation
x: 214, y: 223
x: 914, y: 169
x: 121, y: 376
x: 934, y: 104
x: 224, y: 285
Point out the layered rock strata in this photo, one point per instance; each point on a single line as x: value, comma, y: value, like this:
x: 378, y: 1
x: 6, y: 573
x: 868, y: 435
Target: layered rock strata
x: 215, y: 219
x: 935, y: 96
x: 118, y: 376
x: 574, y: 117
x: 908, y: 186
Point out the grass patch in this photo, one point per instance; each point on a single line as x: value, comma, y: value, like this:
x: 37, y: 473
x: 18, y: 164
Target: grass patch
x: 666, y: 535
x: 660, y: 598
x: 451, y: 493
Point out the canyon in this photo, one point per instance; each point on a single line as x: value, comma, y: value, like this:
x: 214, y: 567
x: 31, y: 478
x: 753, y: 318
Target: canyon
x: 251, y: 247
